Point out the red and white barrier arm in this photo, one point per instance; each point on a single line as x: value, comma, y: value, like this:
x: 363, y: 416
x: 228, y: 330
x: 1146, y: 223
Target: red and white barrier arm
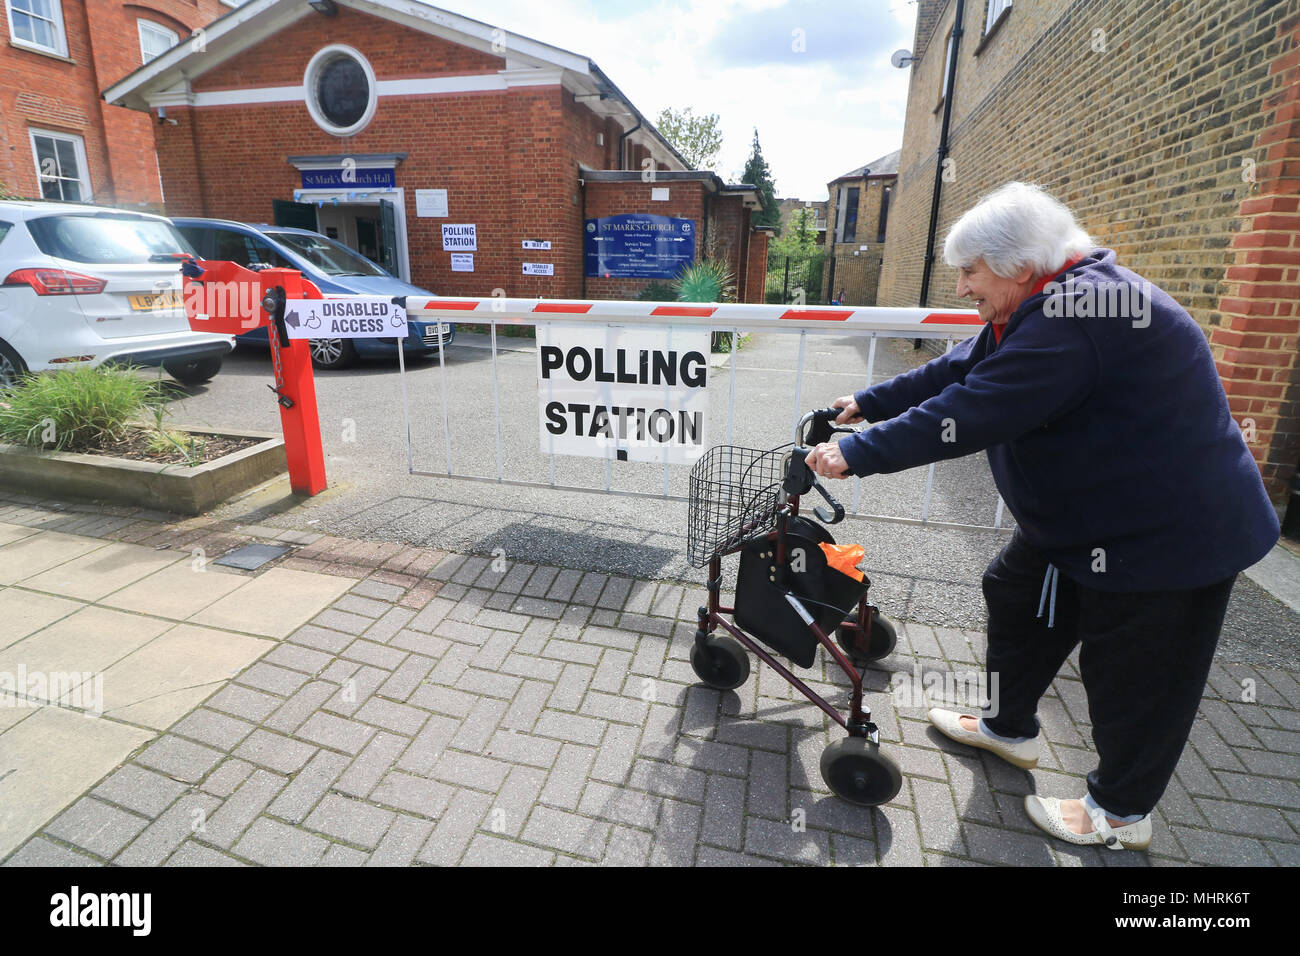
x: 917, y: 323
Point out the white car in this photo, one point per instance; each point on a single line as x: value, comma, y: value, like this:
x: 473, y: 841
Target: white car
x: 89, y: 284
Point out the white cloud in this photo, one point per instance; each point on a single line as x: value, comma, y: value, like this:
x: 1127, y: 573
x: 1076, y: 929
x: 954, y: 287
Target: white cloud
x: 819, y: 114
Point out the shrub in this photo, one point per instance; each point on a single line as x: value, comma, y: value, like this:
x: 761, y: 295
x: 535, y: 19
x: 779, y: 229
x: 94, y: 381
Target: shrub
x: 705, y: 281
x: 658, y: 291
x: 76, y: 408
x: 708, y: 280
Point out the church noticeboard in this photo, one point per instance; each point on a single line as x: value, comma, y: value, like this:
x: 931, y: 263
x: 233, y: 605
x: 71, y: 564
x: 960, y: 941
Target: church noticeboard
x: 639, y: 246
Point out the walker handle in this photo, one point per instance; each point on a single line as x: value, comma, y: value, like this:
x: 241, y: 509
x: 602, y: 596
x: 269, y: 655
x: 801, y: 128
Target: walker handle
x: 828, y: 517
x: 823, y: 426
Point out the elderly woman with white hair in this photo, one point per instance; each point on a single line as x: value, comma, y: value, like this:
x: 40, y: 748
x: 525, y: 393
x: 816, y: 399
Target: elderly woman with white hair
x: 1136, y: 500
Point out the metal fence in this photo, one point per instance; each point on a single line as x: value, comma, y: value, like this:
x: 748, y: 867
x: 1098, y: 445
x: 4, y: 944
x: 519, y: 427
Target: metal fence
x: 873, y: 324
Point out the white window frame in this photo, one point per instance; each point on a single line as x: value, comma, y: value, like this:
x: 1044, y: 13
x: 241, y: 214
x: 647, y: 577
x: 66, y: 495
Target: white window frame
x: 996, y: 7
x: 323, y: 57
x: 144, y: 26
x: 78, y: 145
x: 61, y: 46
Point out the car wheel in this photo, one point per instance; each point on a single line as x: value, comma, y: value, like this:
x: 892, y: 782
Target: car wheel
x: 332, y: 353
x: 195, y: 372
x: 12, y: 367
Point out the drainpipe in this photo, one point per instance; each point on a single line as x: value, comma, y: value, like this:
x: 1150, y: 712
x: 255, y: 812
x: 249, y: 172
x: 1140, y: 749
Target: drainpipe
x: 708, y: 204
x: 942, y: 155
x: 582, y: 235
x: 622, y: 156
x: 1291, y: 520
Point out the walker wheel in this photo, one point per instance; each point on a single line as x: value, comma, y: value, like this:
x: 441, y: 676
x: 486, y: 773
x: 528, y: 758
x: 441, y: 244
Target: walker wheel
x: 880, y: 644
x: 856, y: 771
x: 721, y: 663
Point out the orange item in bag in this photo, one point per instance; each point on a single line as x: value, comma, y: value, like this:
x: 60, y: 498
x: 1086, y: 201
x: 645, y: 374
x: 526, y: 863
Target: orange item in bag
x: 844, y: 558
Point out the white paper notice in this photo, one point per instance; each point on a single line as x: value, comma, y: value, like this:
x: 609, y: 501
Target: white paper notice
x: 539, y: 268
x: 462, y: 262
x: 431, y: 203
x: 460, y: 238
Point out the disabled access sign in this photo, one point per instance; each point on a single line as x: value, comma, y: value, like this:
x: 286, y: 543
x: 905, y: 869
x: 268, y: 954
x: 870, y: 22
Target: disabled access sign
x: 354, y: 317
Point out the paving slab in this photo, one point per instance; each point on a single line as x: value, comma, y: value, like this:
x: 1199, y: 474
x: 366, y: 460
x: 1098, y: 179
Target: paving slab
x: 171, y: 675
x: 275, y: 603
x: 13, y: 532
x: 32, y: 554
x: 51, y: 758
x: 102, y: 571
x: 178, y: 591
x: 26, y: 612
x: 88, y: 641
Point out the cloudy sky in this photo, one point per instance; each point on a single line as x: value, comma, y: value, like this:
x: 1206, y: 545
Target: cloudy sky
x: 820, y: 112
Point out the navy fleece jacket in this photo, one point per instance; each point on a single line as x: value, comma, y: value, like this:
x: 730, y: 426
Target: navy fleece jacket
x: 1109, y: 436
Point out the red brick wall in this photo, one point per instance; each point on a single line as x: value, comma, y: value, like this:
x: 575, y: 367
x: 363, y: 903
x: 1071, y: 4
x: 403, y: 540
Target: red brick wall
x: 728, y: 237
x: 756, y: 274
x: 685, y: 201
x: 49, y: 93
x: 180, y: 165
x: 394, y: 51
x: 1255, y: 342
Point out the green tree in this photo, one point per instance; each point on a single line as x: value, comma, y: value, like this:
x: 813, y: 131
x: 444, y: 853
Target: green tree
x: 697, y: 138
x: 798, y: 239
x: 795, y: 260
x: 758, y: 174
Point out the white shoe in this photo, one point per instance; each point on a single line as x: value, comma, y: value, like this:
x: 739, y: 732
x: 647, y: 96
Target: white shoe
x: 948, y: 723
x: 1046, y: 812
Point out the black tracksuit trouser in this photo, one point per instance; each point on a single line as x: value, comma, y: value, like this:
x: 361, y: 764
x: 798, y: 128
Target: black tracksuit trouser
x: 1144, y: 661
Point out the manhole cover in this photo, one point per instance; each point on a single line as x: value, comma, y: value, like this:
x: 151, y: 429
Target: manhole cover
x: 252, y: 556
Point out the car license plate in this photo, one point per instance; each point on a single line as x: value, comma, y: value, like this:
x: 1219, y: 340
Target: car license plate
x: 157, y: 300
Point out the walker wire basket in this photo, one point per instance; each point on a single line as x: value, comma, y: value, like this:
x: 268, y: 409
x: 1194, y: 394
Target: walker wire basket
x: 735, y: 495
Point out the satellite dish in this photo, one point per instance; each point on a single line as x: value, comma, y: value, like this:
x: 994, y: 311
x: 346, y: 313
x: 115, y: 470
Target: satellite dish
x: 901, y: 58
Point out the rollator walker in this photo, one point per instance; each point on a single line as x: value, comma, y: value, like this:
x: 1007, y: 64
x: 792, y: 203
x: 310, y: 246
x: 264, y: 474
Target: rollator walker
x: 788, y: 597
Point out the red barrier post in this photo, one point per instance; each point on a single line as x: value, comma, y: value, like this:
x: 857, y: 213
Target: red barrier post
x: 225, y: 298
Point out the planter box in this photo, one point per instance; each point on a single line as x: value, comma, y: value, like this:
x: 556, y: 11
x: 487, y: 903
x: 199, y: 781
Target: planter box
x: 176, y: 488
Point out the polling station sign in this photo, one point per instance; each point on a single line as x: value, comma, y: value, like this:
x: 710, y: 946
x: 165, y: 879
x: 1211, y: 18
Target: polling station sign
x: 460, y: 237
x: 357, y: 317
x: 625, y: 394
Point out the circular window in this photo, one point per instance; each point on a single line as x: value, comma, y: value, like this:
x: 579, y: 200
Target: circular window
x: 340, y: 90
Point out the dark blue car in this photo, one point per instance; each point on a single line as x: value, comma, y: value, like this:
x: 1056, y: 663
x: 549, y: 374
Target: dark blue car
x: 332, y: 266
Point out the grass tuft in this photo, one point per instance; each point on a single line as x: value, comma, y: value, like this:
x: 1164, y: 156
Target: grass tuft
x: 76, y: 408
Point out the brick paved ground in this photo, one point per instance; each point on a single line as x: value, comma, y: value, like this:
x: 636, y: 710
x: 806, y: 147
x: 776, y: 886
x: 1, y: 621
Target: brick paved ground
x: 449, y: 711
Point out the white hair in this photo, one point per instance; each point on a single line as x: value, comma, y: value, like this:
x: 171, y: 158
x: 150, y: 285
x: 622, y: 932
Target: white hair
x: 1016, y: 226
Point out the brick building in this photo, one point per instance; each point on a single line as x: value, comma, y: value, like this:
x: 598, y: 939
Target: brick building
x: 1173, y: 132
x: 816, y: 210
x: 393, y: 111
x: 58, y: 139
x: 858, y: 213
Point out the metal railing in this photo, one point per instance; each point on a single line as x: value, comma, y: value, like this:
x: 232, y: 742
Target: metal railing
x: 873, y: 323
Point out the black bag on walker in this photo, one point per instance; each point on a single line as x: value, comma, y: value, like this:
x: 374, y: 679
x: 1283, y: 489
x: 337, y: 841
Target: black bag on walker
x: 761, y: 606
